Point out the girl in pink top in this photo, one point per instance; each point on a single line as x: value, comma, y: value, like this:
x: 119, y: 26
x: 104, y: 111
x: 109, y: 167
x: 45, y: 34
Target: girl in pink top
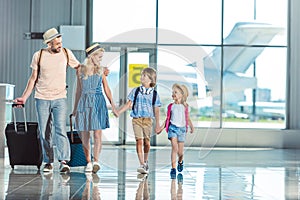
x: 176, y: 124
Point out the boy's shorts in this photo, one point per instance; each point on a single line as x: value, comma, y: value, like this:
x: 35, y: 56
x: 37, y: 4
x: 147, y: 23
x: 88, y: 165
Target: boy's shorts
x: 177, y: 132
x: 142, y: 127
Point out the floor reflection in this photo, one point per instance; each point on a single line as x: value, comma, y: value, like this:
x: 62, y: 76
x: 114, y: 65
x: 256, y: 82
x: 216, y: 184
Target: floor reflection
x: 24, y: 185
x: 143, y: 191
x: 176, y: 188
x: 91, y: 189
x: 214, y: 174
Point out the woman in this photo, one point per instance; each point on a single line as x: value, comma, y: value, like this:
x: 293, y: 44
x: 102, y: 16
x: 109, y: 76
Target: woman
x: 90, y: 108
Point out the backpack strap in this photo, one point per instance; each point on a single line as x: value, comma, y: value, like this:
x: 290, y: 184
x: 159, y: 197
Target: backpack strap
x: 154, y: 97
x: 135, y: 95
x: 39, y: 66
x: 67, y: 55
x: 168, y: 117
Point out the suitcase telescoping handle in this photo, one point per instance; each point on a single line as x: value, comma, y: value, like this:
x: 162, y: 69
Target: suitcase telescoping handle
x: 14, y: 105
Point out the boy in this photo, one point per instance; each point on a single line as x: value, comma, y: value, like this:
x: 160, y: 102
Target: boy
x: 145, y: 104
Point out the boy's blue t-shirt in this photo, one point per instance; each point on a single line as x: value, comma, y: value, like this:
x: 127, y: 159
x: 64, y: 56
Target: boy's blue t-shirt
x: 143, y: 104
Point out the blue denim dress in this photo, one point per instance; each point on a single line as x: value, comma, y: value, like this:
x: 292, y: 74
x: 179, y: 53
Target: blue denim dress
x: 92, y: 113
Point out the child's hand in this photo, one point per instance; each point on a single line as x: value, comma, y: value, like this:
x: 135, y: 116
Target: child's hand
x: 191, y: 129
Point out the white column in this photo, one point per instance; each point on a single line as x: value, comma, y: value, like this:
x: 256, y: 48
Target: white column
x: 6, y: 94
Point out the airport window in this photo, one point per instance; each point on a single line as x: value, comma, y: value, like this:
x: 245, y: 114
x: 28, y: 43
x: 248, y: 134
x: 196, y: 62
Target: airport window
x: 115, y: 18
x: 198, y: 21
x: 231, y: 53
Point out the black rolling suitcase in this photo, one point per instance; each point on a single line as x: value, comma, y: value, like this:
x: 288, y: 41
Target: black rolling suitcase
x: 23, y: 142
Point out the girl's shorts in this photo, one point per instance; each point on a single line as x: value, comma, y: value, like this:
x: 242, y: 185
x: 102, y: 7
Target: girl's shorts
x: 177, y: 132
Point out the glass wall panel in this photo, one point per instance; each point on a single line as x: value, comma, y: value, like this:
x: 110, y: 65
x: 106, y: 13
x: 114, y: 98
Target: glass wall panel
x: 254, y: 88
x: 241, y: 80
x: 210, y: 113
x: 255, y: 22
x: 112, y: 61
x: 114, y: 21
x: 185, y: 65
x: 200, y: 21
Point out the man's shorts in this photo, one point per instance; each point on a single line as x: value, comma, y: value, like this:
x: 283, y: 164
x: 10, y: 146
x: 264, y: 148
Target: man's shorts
x: 142, y: 127
x: 177, y: 132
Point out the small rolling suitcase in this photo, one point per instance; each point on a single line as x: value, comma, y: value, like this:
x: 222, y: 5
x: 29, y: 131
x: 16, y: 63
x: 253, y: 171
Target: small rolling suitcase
x: 77, y: 153
x: 23, y: 142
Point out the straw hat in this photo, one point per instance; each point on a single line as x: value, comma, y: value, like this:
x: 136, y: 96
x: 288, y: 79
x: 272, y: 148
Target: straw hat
x: 93, y: 48
x: 50, y: 35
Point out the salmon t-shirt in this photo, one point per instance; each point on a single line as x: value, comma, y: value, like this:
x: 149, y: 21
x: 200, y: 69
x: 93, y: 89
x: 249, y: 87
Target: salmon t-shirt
x: 51, y: 82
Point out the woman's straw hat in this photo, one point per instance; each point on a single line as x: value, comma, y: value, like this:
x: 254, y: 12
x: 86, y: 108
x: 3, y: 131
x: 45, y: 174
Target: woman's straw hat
x: 93, y: 48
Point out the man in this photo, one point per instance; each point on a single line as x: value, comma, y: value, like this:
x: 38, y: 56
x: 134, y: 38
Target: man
x: 48, y: 78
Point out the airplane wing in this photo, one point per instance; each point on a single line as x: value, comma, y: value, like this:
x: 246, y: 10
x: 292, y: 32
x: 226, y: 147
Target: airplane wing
x: 237, y: 59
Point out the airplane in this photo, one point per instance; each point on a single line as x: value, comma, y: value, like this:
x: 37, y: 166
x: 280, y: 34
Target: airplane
x: 245, y: 42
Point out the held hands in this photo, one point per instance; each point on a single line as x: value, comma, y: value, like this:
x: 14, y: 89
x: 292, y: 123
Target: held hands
x: 115, y: 112
x: 159, y: 129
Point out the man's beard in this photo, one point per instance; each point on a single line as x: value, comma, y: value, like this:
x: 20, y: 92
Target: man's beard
x: 55, y: 50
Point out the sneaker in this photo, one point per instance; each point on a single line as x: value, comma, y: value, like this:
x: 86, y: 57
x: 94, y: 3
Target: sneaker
x: 96, y: 167
x: 180, y: 166
x: 180, y: 179
x: 173, y: 173
x: 141, y: 177
x: 143, y: 169
x: 48, y: 167
x: 64, y: 168
x: 89, y: 167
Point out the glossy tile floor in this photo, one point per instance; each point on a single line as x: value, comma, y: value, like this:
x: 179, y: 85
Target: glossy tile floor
x: 208, y: 174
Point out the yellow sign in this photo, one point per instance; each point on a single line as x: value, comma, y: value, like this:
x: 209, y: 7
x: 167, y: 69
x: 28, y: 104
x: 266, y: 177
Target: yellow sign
x: 134, y: 77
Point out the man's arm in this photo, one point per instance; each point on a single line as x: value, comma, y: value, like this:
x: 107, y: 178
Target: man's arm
x: 29, y: 88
